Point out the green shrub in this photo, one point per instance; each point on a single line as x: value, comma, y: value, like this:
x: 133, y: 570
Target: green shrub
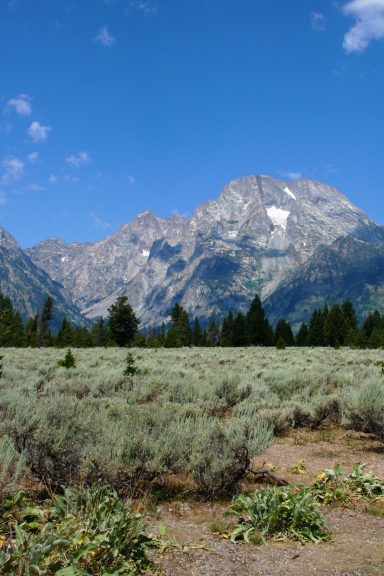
x: 86, y: 531
x: 68, y: 360
x: 364, y: 408
x: 221, y: 453
x: 277, y: 513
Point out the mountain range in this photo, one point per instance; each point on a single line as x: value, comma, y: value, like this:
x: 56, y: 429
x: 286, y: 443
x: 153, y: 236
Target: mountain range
x: 295, y: 243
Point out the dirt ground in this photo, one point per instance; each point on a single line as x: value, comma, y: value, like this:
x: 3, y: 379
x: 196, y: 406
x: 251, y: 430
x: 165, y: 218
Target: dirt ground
x: 357, y: 546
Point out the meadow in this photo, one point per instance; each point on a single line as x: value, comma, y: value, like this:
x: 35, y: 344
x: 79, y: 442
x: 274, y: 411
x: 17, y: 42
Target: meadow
x: 188, y: 420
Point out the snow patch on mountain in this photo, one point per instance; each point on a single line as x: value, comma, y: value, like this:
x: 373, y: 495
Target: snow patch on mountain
x: 278, y: 216
x: 289, y: 192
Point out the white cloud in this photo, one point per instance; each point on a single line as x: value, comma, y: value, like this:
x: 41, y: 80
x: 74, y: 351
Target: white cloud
x: 3, y: 198
x: 79, y: 159
x: 369, y: 15
x: 293, y: 175
x: 36, y: 188
x: 98, y: 222
x: 33, y: 157
x: 143, y: 6
x: 38, y: 133
x: 318, y: 21
x: 13, y: 169
x: 21, y: 105
x: 104, y: 37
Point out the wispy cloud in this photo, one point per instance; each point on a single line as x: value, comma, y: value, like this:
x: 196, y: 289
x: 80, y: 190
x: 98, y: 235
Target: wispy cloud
x: 36, y: 188
x: 293, y: 175
x: 38, y: 133
x: 143, y: 6
x: 369, y: 26
x: 13, y: 169
x: 104, y: 37
x: 33, y: 157
x: 21, y: 105
x: 318, y: 22
x: 53, y: 179
x: 3, y: 198
x: 79, y: 159
x: 98, y: 222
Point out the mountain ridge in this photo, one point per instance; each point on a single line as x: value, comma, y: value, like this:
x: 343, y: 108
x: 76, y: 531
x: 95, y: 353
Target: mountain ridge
x: 248, y: 240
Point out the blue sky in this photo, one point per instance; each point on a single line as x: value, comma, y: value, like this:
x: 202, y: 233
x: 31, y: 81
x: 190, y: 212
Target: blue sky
x: 112, y: 107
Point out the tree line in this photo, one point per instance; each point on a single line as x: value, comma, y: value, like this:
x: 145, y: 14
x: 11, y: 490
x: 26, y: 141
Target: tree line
x: 335, y: 326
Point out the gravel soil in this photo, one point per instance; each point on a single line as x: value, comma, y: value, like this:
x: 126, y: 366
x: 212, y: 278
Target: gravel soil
x: 357, y: 546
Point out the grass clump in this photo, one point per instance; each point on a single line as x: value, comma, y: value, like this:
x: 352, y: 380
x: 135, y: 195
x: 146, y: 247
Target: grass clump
x: 278, y: 512
x: 85, y: 531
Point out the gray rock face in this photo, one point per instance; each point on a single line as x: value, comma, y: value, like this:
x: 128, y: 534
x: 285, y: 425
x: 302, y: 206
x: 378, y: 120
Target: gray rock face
x: 250, y: 239
x: 27, y: 285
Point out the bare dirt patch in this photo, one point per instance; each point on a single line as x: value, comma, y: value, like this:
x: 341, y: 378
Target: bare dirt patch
x: 357, y: 547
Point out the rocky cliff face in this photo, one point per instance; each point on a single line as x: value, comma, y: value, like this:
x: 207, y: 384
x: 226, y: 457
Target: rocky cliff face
x: 351, y: 268
x: 27, y: 285
x: 249, y: 240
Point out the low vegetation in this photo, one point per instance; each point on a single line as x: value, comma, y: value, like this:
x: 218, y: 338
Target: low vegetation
x: 86, y: 531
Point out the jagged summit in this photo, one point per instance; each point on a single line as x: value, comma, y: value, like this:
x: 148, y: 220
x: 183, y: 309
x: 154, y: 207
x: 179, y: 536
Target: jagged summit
x: 253, y: 236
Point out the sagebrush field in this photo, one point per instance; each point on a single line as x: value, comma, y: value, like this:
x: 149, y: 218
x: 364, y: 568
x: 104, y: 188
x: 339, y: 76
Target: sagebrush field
x: 160, y: 423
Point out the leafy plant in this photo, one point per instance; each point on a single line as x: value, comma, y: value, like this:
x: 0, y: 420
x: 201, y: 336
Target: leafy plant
x: 333, y: 486
x: 68, y: 360
x: 278, y: 512
x: 86, y: 531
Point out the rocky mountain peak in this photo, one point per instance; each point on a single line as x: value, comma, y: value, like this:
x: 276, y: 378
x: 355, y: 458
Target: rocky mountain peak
x: 257, y: 232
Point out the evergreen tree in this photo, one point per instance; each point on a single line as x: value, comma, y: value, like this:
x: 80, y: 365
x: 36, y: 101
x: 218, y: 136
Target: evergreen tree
x: 100, y: 333
x: 283, y: 330
x: 123, y: 323
x: 65, y: 334
x: 179, y: 333
x: 197, y: 333
x: 350, y: 319
x: 239, y: 331
x: 258, y: 328
x: 11, y: 324
x: 316, y: 328
x: 226, y: 334
x: 334, y: 327
x: 374, y: 320
x: 302, y: 335
x: 213, y: 334
x: 43, y: 332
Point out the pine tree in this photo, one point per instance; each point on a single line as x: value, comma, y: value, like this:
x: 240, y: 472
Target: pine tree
x: 179, y: 333
x: 302, y: 335
x: 65, y: 334
x: 43, y: 333
x: 239, y: 331
x: 226, y: 334
x: 197, y: 333
x: 283, y: 330
x: 11, y: 325
x: 100, y: 333
x: 259, y: 330
x: 123, y: 323
x: 334, y: 327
